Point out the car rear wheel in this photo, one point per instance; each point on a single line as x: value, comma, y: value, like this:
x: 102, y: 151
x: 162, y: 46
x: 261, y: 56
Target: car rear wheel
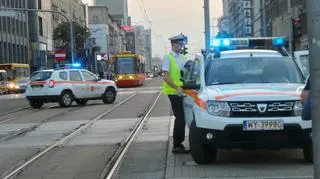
x: 109, y: 96
x: 308, y: 153
x: 66, y: 99
x: 201, y: 153
x: 81, y: 102
x: 35, y: 104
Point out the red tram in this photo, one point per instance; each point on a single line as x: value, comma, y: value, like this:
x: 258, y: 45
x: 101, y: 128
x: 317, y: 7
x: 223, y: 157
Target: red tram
x: 129, y: 69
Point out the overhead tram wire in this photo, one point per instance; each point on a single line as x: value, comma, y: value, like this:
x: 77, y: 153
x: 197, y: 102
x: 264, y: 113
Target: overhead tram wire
x: 149, y: 22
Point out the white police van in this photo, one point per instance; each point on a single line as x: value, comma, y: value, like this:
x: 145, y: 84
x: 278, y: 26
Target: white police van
x: 66, y: 84
x: 245, y: 101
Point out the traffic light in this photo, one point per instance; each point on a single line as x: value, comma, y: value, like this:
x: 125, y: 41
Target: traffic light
x: 297, y: 28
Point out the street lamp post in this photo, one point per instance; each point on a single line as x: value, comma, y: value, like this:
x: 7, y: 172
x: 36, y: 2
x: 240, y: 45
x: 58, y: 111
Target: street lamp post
x: 207, y: 26
x: 290, y: 14
x: 313, y: 22
x: 51, y: 11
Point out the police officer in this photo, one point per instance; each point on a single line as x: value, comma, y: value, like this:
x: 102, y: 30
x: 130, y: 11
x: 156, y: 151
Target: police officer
x: 173, y: 64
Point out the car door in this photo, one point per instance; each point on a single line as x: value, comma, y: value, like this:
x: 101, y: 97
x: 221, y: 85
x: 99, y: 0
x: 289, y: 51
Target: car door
x: 192, y: 76
x: 79, y: 88
x: 94, y: 85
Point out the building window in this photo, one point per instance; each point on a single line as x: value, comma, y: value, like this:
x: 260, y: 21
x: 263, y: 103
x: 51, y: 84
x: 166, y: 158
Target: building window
x: 8, y: 3
x: 39, y: 4
x: 13, y: 23
x: 247, y: 4
x: 247, y: 21
x: 95, y: 19
x: 40, y: 27
x: 248, y: 30
x: 247, y: 13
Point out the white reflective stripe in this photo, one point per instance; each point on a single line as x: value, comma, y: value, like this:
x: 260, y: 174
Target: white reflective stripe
x: 60, y: 55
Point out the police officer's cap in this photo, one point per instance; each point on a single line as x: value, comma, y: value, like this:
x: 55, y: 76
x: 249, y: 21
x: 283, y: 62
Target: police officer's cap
x: 179, y: 38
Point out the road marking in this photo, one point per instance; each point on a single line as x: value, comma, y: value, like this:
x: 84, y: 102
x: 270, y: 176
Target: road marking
x: 256, y: 177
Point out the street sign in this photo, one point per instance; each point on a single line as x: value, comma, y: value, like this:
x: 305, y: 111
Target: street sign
x: 7, y: 14
x: 60, y: 54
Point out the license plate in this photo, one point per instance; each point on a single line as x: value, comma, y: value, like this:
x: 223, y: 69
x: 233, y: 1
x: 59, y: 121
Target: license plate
x: 260, y: 125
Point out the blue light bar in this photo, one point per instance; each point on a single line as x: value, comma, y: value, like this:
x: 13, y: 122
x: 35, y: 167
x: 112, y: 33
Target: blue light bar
x: 76, y: 65
x: 220, y: 43
x: 248, y: 42
x: 278, y: 41
x: 215, y: 43
x: 226, y: 42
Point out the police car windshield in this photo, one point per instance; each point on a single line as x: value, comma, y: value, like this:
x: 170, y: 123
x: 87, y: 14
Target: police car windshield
x: 40, y: 75
x: 252, y: 70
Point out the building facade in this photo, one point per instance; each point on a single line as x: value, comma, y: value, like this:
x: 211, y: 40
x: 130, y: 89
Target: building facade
x: 140, y: 40
x: 40, y: 33
x: 14, y: 34
x: 258, y: 23
x: 75, y: 9
x: 148, y: 53
x: 107, y: 33
x: 279, y: 21
x: 130, y: 38
x: 239, y: 17
x: 118, y: 10
x: 99, y: 21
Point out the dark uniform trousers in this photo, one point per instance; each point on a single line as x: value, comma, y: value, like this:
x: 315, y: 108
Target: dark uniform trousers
x: 179, y: 123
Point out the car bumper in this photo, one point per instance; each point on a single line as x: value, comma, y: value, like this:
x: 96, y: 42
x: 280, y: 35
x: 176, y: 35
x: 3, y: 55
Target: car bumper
x: 292, y: 136
x: 208, y: 121
x: 47, y: 98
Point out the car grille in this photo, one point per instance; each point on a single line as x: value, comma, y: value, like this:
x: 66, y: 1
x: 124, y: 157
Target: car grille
x: 262, y: 109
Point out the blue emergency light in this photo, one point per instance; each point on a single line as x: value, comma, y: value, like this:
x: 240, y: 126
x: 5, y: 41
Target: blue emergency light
x: 248, y: 42
x: 68, y: 66
x: 76, y: 65
x: 278, y: 41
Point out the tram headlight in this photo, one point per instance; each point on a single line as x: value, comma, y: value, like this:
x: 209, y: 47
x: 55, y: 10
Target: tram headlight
x: 11, y: 85
x: 131, y: 77
x: 119, y: 77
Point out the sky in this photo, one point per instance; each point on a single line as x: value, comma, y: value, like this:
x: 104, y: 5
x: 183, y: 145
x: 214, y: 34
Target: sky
x: 170, y: 17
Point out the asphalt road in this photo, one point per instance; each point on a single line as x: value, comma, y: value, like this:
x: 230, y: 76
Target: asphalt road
x: 149, y: 157
x: 25, y: 133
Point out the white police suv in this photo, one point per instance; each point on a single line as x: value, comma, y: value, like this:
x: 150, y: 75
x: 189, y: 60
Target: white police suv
x: 245, y: 102
x: 67, y: 84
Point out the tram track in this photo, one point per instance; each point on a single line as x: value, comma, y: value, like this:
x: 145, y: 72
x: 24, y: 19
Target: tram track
x: 5, y: 117
x: 66, y: 137
x: 113, y: 164
x: 22, y: 131
x: 15, y: 111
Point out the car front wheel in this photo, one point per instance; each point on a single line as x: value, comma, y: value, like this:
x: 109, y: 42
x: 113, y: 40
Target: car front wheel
x: 66, y: 99
x: 109, y: 96
x: 201, y: 153
x: 308, y: 153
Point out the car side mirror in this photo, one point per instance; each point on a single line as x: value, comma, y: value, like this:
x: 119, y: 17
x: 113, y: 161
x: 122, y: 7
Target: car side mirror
x: 191, y: 85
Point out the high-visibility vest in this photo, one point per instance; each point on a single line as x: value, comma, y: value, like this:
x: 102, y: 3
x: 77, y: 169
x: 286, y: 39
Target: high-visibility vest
x: 174, y: 75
